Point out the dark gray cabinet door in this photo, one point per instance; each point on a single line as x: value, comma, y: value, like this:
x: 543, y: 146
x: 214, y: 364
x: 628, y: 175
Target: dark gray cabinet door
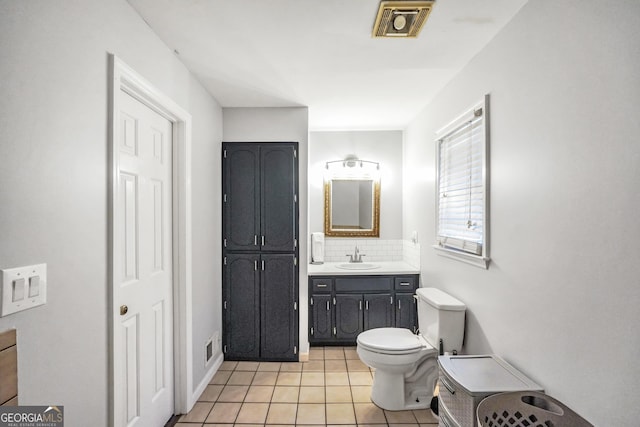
x: 348, y: 316
x: 241, y: 204
x: 241, y: 297
x: 321, y: 318
x: 278, y: 308
x: 378, y: 311
x: 278, y: 193
x: 406, y: 316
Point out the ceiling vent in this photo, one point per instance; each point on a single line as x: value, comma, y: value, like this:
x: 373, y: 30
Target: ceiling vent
x: 401, y: 18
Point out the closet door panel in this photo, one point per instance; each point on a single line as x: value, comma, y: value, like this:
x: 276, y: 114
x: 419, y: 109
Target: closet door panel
x: 278, y: 207
x: 278, y: 307
x: 241, y: 305
x: 241, y: 197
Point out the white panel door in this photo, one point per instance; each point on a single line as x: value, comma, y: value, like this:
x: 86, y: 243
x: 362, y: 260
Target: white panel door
x: 143, y: 317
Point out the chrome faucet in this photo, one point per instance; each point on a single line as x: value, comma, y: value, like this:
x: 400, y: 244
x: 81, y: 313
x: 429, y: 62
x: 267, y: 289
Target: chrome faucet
x: 356, y: 257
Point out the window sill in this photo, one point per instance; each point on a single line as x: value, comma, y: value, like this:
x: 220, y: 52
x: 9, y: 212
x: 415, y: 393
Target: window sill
x: 475, y: 260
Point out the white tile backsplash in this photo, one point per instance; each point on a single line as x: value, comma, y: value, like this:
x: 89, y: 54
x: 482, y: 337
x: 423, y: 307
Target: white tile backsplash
x: 337, y: 249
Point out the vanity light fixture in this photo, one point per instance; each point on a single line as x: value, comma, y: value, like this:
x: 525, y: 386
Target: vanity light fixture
x: 399, y: 18
x: 351, y: 162
x: 352, y: 168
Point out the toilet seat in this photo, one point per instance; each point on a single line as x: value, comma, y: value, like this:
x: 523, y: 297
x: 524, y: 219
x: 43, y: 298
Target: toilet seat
x: 392, y: 341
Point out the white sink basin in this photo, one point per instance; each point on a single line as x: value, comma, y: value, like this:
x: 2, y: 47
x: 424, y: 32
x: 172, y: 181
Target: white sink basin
x: 358, y: 266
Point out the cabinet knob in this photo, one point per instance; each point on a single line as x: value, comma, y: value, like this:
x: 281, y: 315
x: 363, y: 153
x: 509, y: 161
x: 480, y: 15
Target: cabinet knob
x: 123, y: 310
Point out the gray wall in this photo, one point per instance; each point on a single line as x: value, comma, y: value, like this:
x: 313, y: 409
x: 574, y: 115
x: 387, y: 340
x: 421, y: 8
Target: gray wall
x: 384, y: 147
x: 54, y: 188
x: 560, y: 299
x: 277, y: 125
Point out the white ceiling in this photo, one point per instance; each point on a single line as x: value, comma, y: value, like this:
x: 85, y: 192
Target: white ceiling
x: 320, y: 54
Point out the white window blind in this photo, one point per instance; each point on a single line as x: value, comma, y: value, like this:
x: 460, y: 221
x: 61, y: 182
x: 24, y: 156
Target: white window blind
x: 462, y: 186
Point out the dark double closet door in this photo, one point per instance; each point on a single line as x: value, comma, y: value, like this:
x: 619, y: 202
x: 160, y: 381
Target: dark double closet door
x: 260, y: 250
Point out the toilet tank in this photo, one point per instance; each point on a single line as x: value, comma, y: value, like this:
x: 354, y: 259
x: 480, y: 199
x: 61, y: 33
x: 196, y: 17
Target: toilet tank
x: 440, y: 317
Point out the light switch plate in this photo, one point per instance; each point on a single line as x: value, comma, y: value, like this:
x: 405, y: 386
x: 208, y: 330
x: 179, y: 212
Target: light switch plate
x: 10, y: 275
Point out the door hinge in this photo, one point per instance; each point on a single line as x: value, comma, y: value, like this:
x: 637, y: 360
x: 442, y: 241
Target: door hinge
x: 295, y: 349
x: 312, y: 331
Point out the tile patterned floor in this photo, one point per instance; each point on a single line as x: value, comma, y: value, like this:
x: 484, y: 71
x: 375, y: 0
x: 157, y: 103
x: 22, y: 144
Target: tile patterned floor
x: 332, y: 388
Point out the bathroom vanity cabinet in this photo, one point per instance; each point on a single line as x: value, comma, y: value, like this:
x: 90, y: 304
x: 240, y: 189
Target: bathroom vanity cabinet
x: 340, y: 307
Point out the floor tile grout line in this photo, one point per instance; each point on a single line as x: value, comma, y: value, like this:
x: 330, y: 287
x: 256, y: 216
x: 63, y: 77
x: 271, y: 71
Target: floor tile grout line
x: 299, y: 387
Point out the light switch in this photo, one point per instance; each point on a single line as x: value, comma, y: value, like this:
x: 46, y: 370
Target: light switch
x: 22, y: 288
x: 18, y: 290
x: 34, y: 286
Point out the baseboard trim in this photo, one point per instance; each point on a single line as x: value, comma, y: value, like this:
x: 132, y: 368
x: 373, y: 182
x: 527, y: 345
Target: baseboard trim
x: 197, y: 392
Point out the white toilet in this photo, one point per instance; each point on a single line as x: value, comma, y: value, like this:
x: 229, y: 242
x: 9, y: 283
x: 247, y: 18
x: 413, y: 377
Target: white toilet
x: 406, y: 365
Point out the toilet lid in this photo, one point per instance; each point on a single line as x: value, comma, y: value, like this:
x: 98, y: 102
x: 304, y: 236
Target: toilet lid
x: 390, y: 340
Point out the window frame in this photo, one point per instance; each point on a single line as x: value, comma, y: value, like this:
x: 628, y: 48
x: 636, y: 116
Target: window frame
x: 481, y: 260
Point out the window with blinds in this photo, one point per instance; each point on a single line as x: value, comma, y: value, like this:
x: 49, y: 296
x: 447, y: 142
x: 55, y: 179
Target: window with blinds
x: 462, y: 186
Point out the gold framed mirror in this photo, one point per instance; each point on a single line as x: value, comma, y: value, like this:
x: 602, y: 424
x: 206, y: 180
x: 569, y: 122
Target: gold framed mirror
x: 352, y: 207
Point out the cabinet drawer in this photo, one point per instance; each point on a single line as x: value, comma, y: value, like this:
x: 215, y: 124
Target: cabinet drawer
x: 460, y: 405
x: 319, y: 286
x: 363, y: 284
x: 405, y: 283
x: 446, y: 420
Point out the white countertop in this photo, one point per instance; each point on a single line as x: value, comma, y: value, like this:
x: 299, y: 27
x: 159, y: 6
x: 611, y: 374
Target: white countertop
x: 385, y: 267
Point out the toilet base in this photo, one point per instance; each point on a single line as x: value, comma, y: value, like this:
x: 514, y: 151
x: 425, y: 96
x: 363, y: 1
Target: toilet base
x: 397, y: 392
